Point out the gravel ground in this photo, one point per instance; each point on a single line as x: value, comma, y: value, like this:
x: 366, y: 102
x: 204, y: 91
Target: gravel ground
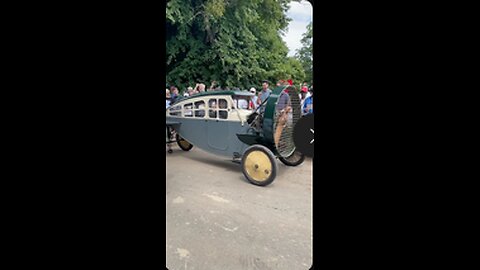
x: 216, y: 219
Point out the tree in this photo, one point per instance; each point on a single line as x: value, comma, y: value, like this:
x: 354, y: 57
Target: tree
x: 234, y: 42
x: 305, y: 53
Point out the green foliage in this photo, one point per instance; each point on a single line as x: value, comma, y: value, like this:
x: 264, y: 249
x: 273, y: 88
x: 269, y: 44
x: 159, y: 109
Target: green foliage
x: 305, y: 54
x: 234, y: 42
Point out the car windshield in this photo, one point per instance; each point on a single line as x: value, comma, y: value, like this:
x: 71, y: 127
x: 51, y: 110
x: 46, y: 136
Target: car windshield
x: 242, y: 102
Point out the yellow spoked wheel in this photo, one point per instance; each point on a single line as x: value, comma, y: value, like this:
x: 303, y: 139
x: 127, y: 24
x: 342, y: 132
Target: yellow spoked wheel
x: 259, y: 165
x: 183, y: 144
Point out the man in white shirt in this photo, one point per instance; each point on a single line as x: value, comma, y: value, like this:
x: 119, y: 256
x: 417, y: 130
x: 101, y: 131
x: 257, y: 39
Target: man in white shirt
x: 189, y: 92
x: 254, y: 98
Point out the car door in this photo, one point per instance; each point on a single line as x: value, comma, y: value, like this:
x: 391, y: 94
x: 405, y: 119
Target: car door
x: 218, y: 135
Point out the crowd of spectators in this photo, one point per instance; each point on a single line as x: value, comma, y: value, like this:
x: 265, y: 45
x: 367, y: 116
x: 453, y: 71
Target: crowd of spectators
x: 305, y: 95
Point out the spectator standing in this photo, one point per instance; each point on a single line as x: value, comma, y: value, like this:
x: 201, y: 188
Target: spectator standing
x: 189, y: 92
x: 307, y: 107
x: 200, y: 87
x: 310, y: 90
x: 174, y: 94
x: 167, y: 98
x: 253, y: 102
x: 213, y: 86
x: 303, y: 96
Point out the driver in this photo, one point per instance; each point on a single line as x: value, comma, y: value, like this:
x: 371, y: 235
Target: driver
x: 265, y: 93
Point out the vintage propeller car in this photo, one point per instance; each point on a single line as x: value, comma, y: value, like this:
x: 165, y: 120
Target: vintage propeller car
x: 223, y: 123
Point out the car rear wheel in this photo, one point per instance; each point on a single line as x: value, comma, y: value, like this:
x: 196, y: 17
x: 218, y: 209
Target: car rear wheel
x: 295, y: 159
x: 259, y: 165
x: 183, y: 144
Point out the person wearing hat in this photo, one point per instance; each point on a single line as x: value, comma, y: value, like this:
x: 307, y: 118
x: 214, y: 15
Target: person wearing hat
x: 303, y: 95
x: 253, y: 102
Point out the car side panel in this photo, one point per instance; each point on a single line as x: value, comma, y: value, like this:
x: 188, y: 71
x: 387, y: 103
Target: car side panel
x: 202, y: 134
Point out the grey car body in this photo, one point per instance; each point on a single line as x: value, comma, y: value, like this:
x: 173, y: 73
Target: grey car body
x: 212, y: 120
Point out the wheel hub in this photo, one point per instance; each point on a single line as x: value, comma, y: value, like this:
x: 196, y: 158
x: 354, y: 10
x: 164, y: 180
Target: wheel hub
x: 258, y: 165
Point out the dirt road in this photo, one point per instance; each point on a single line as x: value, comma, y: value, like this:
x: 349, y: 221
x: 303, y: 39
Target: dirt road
x: 216, y: 219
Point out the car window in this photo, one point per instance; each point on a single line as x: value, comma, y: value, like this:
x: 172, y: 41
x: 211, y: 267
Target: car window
x: 212, y: 113
x: 243, y: 102
x: 200, y: 104
x: 222, y: 114
x: 200, y: 113
x: 218, y: 108
x: 176, y: 110
x: 212, y: 103
x: 222, y: 103
x: 187, y: 110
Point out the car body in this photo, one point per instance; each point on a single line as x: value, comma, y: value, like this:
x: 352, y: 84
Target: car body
x: 224, y: 123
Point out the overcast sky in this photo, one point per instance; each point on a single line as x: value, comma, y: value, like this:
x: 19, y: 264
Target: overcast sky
x: 301, y: 15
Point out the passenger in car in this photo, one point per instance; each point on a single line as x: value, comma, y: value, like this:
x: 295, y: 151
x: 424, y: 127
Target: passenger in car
x: 222, y: 104
x: 212, y: 104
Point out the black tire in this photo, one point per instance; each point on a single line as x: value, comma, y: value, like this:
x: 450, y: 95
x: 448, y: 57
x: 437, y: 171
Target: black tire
x: 183, y: 144
x: 262, y: 173
x: 295, y: 159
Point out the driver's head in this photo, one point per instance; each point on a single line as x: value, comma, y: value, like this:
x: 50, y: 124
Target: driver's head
x: 265, y: 85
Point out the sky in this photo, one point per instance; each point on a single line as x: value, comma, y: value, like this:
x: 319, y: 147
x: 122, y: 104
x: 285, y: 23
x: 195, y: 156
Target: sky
x: 301, y: 15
